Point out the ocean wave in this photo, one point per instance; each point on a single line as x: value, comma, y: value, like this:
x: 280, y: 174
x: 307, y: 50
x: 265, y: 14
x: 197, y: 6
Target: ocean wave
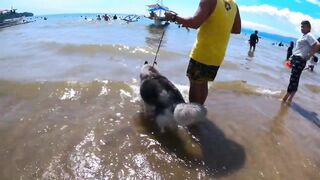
x: 313, y: 88
x: 230, y: 65
x: 124, y: 91
x: 244, y: 88
x: 92, y: 49
x: 69, y: 90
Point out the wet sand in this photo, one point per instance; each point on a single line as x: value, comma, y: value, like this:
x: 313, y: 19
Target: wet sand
x: 94, y: 137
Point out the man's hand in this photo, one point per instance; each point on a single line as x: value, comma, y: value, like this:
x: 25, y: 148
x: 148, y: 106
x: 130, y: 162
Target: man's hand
x: 169, y: 16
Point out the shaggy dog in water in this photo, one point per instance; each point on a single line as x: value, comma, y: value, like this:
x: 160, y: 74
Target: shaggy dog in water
x: 164, y: 103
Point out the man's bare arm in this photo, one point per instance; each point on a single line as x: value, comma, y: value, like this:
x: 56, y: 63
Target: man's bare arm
x: 206, y: 7
x: 236, y: 28
x: 315, y: 48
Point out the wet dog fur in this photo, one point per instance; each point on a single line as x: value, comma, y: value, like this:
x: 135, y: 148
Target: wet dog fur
x: 164, y: 103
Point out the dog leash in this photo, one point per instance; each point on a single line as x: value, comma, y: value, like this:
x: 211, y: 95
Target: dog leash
x: 155, y: 58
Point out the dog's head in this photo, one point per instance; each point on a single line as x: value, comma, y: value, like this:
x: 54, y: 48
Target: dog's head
x: 148, y: 71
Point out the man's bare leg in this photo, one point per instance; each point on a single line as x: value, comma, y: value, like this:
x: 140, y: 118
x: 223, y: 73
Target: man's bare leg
x: 285, y: 98
x: 198, y: 91
x: 291, y: 97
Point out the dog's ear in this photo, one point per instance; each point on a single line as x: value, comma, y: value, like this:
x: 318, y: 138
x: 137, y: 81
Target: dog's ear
x: 146, y: 62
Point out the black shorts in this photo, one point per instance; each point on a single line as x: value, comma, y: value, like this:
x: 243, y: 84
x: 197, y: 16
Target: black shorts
x: 201, y: 72
x: 298, y: 64
x: 253, y: 44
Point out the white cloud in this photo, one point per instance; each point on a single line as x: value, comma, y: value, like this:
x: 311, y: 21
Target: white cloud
x: 316, y: 2
x: 265, y: 28
x: 279, y: 21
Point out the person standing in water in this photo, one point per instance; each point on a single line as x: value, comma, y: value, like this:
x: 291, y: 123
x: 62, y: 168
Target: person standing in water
x: 289, y: 50
x: 313, y: 63
x: 215, y: 21
x: 306, y: 47
x: 254, y: 39
x: 98, y: 18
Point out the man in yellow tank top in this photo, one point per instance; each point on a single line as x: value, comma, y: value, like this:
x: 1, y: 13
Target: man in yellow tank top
x: 215, y: 21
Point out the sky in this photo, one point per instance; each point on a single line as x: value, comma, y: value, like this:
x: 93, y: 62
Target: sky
x: 281, y: 17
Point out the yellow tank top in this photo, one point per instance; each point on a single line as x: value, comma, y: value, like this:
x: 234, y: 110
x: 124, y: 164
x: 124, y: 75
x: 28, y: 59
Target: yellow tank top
x: 213, y: 35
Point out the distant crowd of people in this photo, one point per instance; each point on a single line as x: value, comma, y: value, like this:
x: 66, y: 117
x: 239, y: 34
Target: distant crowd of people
x: 106, y: 17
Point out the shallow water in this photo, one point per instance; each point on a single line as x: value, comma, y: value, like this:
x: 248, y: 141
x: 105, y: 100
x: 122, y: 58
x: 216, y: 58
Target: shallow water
x: 70, y: 107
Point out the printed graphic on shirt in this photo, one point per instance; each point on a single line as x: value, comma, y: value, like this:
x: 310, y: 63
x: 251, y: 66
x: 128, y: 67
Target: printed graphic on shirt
x: 227, y: 5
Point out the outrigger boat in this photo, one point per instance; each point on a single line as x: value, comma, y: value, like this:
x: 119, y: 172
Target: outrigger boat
x: 131, y: 18
x: 11, y: 18
x: 157, y: 13
x: 12, y: 22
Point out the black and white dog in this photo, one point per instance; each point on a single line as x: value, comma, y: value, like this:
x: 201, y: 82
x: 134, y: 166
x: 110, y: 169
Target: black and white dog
x: 164, y: 103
